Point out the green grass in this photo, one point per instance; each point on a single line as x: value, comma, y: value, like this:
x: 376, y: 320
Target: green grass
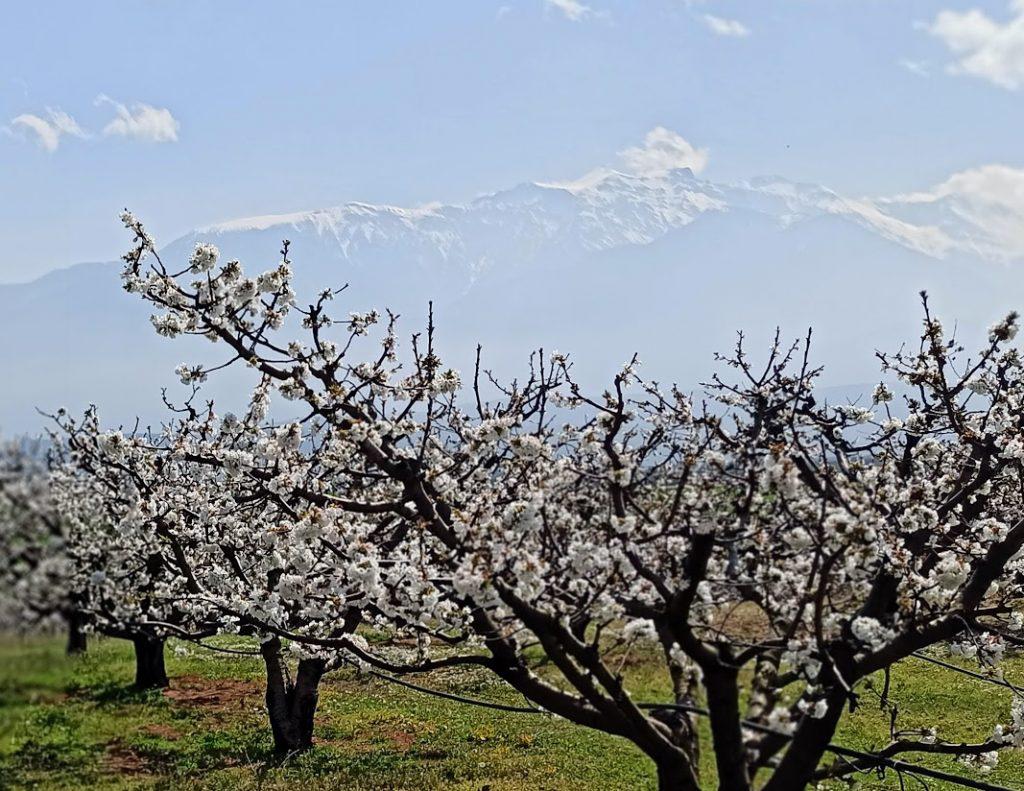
x: 74, y: 723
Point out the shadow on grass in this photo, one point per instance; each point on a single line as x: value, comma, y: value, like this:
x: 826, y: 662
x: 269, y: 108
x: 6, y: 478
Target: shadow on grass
x: 49, y: 740
x: 202, y: 750
x: 16, y: 695
x: 112, y: 692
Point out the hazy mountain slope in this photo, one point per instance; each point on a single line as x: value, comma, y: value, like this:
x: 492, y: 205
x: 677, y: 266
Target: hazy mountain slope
x: 683, y: 297
x: 669, y: 267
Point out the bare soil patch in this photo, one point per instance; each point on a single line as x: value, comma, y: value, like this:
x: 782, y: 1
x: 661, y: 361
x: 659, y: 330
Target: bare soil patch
x: 123, y: 760
x: 400, y: 739
x: 161, y: 731
x: 214, y: 693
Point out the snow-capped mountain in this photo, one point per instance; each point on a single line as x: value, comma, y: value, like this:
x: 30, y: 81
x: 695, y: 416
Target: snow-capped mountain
x: 603, y: 211
x: 669, y: 266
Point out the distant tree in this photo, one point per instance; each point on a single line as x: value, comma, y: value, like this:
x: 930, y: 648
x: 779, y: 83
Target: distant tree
x: 207, y: 502
x: 544, y: 521
x: 132, y: 582
x: 35, y: 587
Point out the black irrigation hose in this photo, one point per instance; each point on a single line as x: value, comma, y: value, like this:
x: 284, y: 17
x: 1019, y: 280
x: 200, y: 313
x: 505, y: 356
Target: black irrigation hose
x: 920, y: 771
x: 978, y: 676
x: 846, y: 752
x: 451, y: 696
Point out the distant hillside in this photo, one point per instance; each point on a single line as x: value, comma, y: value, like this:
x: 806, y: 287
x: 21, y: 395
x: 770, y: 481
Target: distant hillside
x: 669, y: 267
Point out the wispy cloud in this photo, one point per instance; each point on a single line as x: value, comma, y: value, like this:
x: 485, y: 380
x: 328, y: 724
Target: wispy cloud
x: 918, y: 67
x: 725, y: 27
x: 21, y: 83
x: 141, y: 121
x: 989, y: 200
x: 984, y: 47
x: 663, y: 150
x: 47, y: 131
x: 571, y: 9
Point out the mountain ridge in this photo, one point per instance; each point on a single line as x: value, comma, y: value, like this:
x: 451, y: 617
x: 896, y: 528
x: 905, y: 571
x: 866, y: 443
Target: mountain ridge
x: 674, y: 199
x: 609, y: 264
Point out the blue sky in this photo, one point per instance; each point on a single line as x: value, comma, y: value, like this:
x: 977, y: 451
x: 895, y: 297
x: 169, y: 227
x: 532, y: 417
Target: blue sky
x: 191, y: 112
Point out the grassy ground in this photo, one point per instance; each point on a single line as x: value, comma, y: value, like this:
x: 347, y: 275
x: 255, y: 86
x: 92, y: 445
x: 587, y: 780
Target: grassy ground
x: 75, y: 724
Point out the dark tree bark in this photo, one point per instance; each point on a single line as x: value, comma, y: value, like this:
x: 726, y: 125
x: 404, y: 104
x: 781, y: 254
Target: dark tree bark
x: 727, y: 736
x: 676, y: 775
x: 685, y: 737
x: 796, y: 769
x: 684, y: 690
x: 291, y: 706
x: 150, y: 672
x: 76, y: 634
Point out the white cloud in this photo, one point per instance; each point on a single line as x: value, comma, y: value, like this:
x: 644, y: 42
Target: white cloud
x: 663, y: 150
x: 928, y: 239
x: 918, y: 67
x: 46, y: 135
x: 984, y: 47
x: 988, y: 201
x: 47, y: 131
x: 571, y: 9
x: 141, y: 121
x: 65, y: 123
x: 726, y: 27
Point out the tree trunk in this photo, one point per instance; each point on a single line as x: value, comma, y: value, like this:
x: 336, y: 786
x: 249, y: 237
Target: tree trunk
x: 812, y: 737
x: 796, y: 769
x: 291, y: 707
x: 683, y: 724
x: 305, y: 696
x: 726, y: 731
x: 76, y: 634
x: 149, y: 662
x: 684, y: 735
x: 676, y: 775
